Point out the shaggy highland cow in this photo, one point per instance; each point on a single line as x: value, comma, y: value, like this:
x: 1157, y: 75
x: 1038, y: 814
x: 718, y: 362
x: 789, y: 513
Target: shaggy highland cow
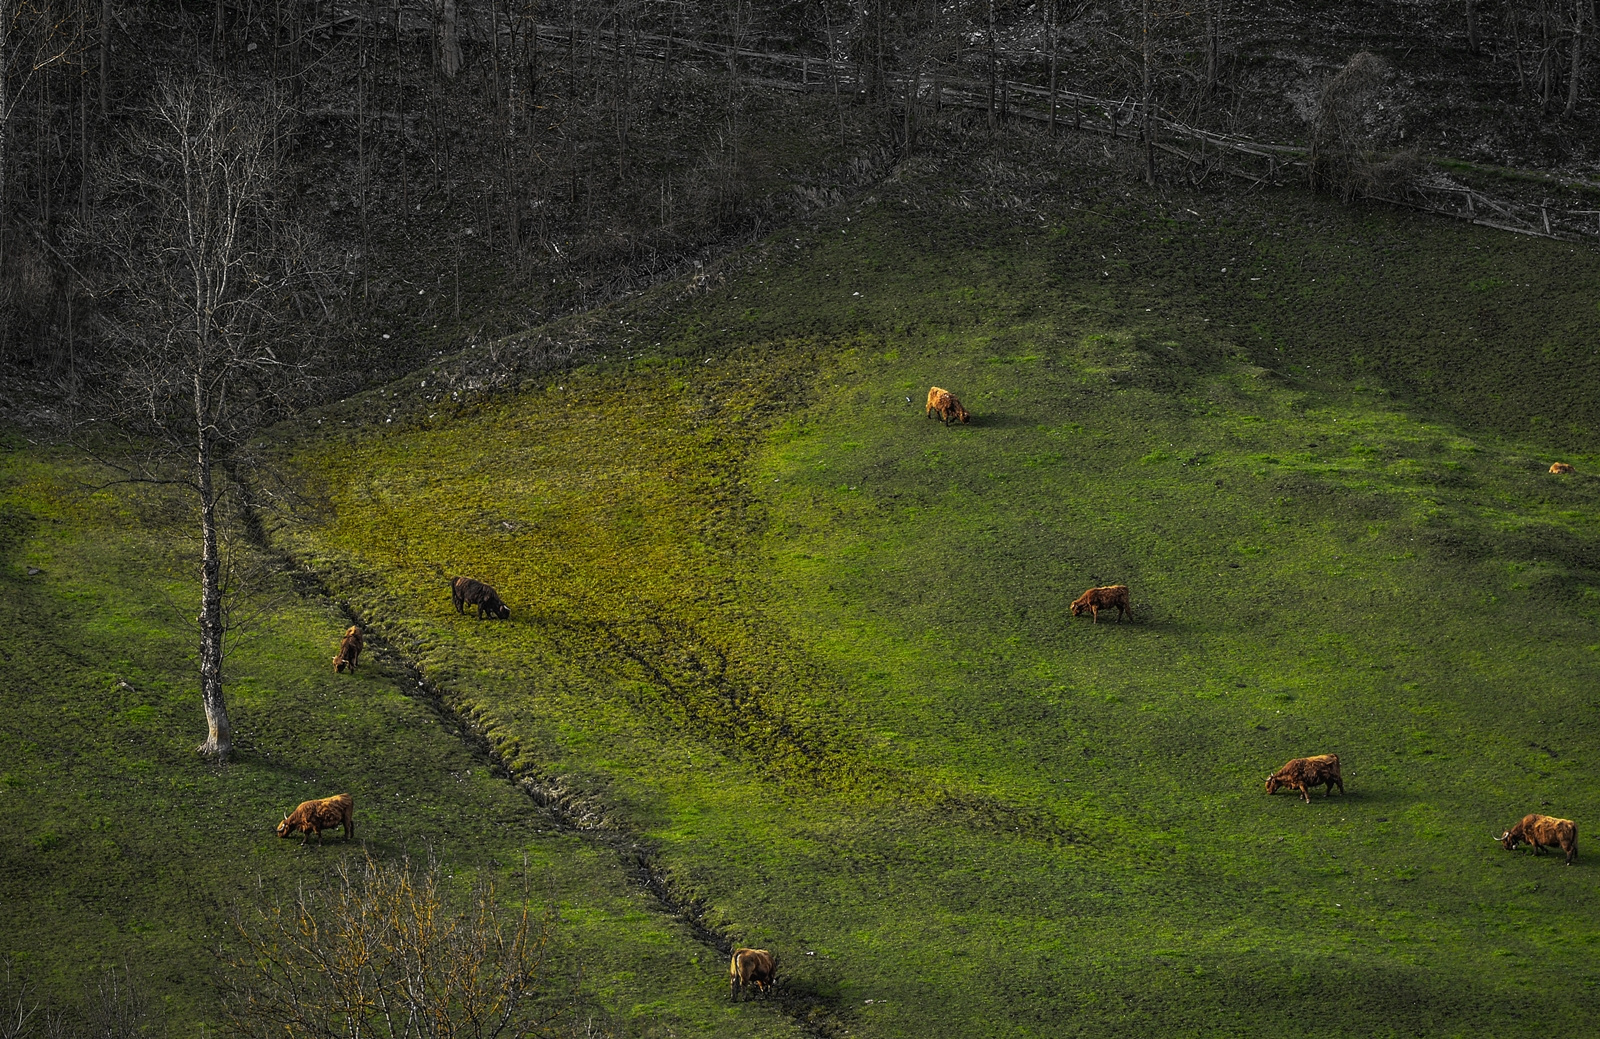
x: 1304, y: 773
x: 1543, y: 832
x: 312, y: 817
x: 1096, y: 599
x: 349, y: 650
x: 751, y: 967
x: 464, y: 592
x: 945, y: 404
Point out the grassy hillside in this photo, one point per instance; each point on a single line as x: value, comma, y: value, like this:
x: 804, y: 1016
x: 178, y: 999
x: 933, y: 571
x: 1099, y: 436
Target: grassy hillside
x: 814, y: 649
x: 119, y: 847
x: 809, y: 651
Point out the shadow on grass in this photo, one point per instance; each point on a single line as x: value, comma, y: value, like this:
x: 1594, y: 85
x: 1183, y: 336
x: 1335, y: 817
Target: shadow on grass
x: 1003, y: 420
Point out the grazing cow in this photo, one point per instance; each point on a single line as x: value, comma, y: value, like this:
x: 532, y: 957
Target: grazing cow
x: 1542, y: 832
x: 751, y: 967
x: 945, y: 404
x: 349, y: 650
x: 312, y: 817
x: 1304, y: 773
x: 1560, y: 467
x: 1097, y: 599
x: 464, y: 592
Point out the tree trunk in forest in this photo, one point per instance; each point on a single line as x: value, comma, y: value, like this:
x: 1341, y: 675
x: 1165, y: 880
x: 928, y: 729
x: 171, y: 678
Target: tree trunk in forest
x: 1146, y: 129
x: 833, y: 73
x: 1472, y: 27
x: 5, y: 128
x: 994, y: 68
x: 362, y: 62
x: 1055, y: 39
x: 449, y: 41
x: 1575, y: 78
x: 105, y: 56
x: 1213, y: 31
x: 219, y: 732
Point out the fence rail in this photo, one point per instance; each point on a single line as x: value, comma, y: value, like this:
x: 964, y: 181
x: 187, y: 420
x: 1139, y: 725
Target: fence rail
x: 1204, y: 151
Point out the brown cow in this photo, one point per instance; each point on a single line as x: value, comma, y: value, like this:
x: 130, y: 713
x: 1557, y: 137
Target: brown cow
x: 1542, y: 832
x: 755, y: 967
x: 1097, y: 599
x: 312, y: 817
x: 464, y: 592
x: 1560, y: 467
x: 1304, y: 773
x: 945, y: 403
x: 349, y: 650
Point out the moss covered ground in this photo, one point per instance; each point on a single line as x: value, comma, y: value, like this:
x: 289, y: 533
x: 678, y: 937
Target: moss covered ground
x: 814, y: 648
x: 121, y: 849
x: 811, y: 650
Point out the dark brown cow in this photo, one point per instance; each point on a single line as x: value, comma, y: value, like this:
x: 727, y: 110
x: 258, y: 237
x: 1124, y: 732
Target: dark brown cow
x: 1543, y: 832
x: 1304, y: 773
x: 1096, y: 599
x: 756, y: 967
x: 1560, y: 467
x: 312, y: 817
x: 349, y: 649
x: 464, y: 592
x: 945, y: 404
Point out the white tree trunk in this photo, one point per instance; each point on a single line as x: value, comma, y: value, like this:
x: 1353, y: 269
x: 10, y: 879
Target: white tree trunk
x: 449, y: 41
x: 219, y: 732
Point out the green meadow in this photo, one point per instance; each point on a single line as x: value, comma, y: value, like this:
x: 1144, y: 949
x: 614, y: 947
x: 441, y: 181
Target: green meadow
x: 810, y: 653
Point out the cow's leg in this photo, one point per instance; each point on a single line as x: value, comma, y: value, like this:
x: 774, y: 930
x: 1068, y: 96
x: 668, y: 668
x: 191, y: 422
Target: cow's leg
x: 1305, y: 793
x: 1094, y: 611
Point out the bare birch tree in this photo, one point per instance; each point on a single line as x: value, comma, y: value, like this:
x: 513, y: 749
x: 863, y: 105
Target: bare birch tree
x: 203, y: 269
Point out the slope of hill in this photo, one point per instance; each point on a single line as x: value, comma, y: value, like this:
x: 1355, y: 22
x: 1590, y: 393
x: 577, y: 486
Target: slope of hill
x: 121, y: 850
x: 813, y: 649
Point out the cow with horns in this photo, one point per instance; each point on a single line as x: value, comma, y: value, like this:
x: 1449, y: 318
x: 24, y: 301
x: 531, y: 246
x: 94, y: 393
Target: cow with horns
x: 1543, y: 832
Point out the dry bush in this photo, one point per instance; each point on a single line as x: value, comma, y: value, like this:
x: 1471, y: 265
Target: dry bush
x: 383, y: 952
x: 1345, y: 159
x: 116, y: 1005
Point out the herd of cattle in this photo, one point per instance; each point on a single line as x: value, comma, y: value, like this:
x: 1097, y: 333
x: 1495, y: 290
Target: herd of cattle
x: 757, y: 968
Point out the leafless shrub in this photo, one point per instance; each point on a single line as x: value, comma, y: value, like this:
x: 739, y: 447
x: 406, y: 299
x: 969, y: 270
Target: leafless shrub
x: 384, y: 952
x: 116, y: 1005
x: 19, y: 1006
x: 1345, y: 159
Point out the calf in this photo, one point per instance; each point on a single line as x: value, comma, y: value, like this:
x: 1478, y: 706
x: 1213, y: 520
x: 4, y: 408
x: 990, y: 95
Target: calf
x: 946, y: 405
x: 1304, y: 773
x: 1542, y: 832
x: 349, y: 650
x: 464, y: 592
x: 751, y: 967
x: 312, y: 817
x: 1560, y: 467
x: 1096, y: 599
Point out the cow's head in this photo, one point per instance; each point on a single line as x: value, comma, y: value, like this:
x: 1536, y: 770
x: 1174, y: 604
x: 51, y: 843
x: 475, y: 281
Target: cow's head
x: 1272, y: 784
x: 285, y: 828
x: 961, y: 413
x: 1078, y: 608
x: 504, y: 612
x: 1509, y: 840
